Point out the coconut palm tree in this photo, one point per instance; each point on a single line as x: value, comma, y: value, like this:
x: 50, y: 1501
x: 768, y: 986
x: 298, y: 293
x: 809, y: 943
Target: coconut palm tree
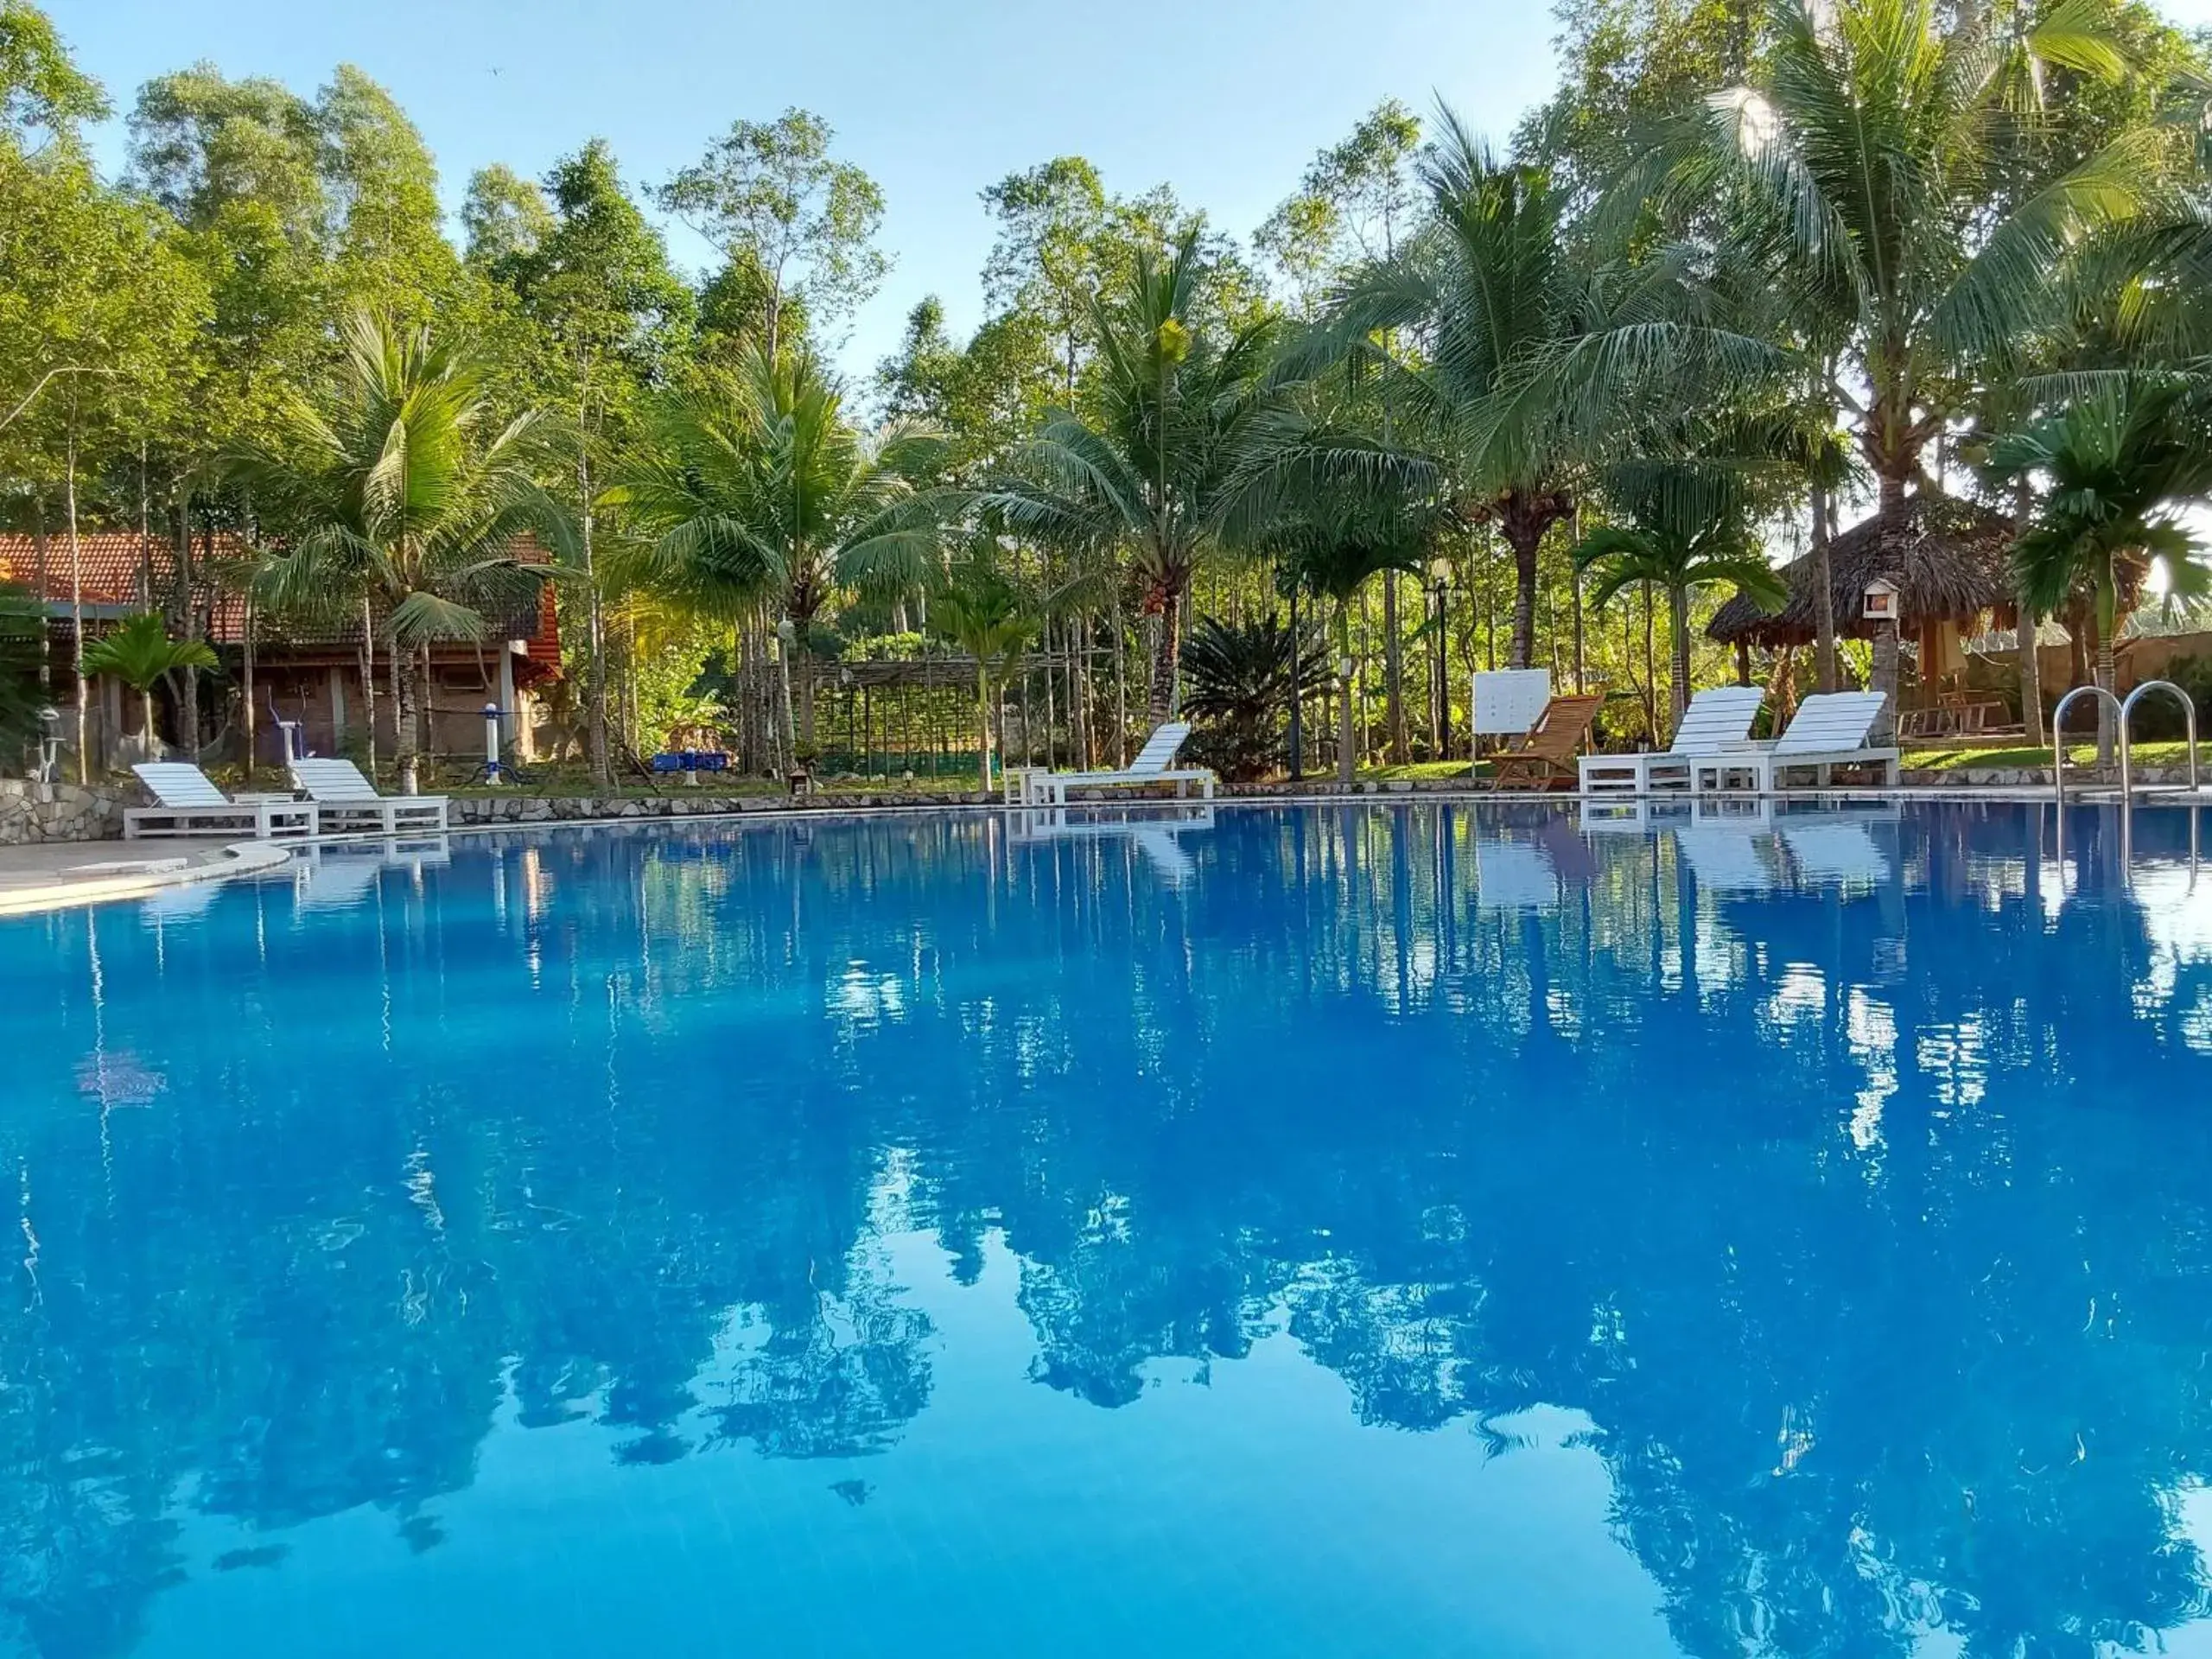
x: 1147, y: 468
x: 752, y: 491
x: 395, y: 490
x: 1508, y: 358
x: 1856, y: 174
x: 2120, y: 465
x: 139, y: 652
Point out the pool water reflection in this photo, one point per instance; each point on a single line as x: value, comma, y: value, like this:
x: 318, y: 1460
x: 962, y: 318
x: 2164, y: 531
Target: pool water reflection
x: 1390, y: 1231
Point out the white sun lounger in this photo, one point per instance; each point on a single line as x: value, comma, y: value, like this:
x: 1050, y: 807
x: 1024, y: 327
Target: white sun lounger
x: 1151, y: 765
x: 1716, y: 720
x: 350, y: 800
x: 185, y: 803
x: 1830, y: 730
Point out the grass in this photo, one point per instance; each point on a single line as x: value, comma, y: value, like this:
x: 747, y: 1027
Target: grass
x: 1415, y: 771
x: 1940, y: 758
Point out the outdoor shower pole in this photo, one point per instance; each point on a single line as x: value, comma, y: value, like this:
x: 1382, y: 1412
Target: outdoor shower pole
x: 1297, y: 696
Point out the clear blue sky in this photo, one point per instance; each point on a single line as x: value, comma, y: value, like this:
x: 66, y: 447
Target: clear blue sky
x: 1226, y: 99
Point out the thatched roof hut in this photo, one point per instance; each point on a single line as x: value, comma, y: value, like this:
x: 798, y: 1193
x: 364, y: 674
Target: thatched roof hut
x: 1947, y: 557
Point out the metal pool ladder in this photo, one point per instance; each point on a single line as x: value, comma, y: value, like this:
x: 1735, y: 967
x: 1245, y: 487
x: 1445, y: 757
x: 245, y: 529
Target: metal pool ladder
x: 2120, y: 712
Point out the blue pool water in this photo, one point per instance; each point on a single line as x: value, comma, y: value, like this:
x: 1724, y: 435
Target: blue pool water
x: 1374, y: 1232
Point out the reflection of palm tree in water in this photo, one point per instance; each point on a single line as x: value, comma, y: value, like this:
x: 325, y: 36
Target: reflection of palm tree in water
x: 1846, y: 1366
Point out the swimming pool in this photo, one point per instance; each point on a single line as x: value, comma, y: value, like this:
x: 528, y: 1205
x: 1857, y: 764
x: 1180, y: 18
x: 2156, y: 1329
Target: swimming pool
x: 1352, y: 1231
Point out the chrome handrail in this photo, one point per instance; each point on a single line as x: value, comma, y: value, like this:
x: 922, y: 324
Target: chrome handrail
x: 2059, y: 734
x: 2189, y: 714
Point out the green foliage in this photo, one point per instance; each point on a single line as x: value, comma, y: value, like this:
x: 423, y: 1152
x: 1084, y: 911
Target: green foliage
x: 2120, y: 465
x: 41, y: 89
x: 138, y: 651
x: 23, y: 643
x: 1150, y: 465
x: 394, y: 485
x: 751, y: 488
x: 1241, y: 679
x: 799, y: 223
x: 504, y: 216
x: 1355, y: 202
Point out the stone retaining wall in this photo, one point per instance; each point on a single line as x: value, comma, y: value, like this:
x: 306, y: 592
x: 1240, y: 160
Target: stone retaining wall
x: 2033, y: 777
x: 32, y: 811
x: 562, y: 809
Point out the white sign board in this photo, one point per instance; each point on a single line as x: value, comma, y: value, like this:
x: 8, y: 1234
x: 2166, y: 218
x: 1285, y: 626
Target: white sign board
x: 1508, y: 700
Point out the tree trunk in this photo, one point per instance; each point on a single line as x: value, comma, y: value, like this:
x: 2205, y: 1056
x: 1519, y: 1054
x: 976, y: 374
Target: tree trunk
x: 783, y: 649
x: 1120, y: 688
x: 2030, y: 661
x: 38, y: 588
x: 1394, y: 672
x: 187, y: 718
x: 1166, y: 655
x: 984, y: 727
x: 1651, y: 671
x: 1885, y: 679
x: 1524, y: 540
x: 1575, y: 592
x: 1824, y: 655
x: 369, y: 680
x: 245, y: 684
x: 2107, y: 608
x: 406, y: 704
x: 1347, y: 717
x: 1678, y: 618
x: 77, y: 601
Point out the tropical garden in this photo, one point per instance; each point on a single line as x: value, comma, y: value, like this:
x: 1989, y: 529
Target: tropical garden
x: 1755, y: 278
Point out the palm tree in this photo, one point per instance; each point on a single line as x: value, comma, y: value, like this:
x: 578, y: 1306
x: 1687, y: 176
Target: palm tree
x: 394, y: 490
x: 2120, y: 465
x: 1857, y: 173
x: 1148, y: 466
x: 139, y: 653
x: 753, y: 491
x: 1529, y: 357
x: 1678, y: 557
x: 992, y: 618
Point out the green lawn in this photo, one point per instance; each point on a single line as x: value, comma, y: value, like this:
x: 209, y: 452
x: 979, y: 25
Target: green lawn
x: 1942, y: 758
x: 1417, y: 771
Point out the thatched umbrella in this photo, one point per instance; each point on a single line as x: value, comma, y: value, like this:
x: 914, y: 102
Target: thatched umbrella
x: 1946, y: 557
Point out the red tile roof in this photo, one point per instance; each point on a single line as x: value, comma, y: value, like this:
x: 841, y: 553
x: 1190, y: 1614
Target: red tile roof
x: 112, y: 567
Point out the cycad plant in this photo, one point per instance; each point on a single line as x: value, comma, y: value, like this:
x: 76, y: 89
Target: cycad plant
x: 396, y: 490
x: 139, y: 652
x: 1147, y: 468
x: 2119, y: 468
x: 1243, y: 676
x: 751, y: 495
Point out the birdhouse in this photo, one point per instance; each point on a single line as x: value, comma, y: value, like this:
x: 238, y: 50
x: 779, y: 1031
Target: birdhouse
x: 1880, y: 601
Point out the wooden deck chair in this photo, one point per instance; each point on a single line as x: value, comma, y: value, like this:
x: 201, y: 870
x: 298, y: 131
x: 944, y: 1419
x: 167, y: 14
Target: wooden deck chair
x: 1544, y: 757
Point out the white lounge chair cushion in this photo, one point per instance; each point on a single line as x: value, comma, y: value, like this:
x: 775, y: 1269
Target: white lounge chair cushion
x: 1830, y: 723
x: 180, y: 783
